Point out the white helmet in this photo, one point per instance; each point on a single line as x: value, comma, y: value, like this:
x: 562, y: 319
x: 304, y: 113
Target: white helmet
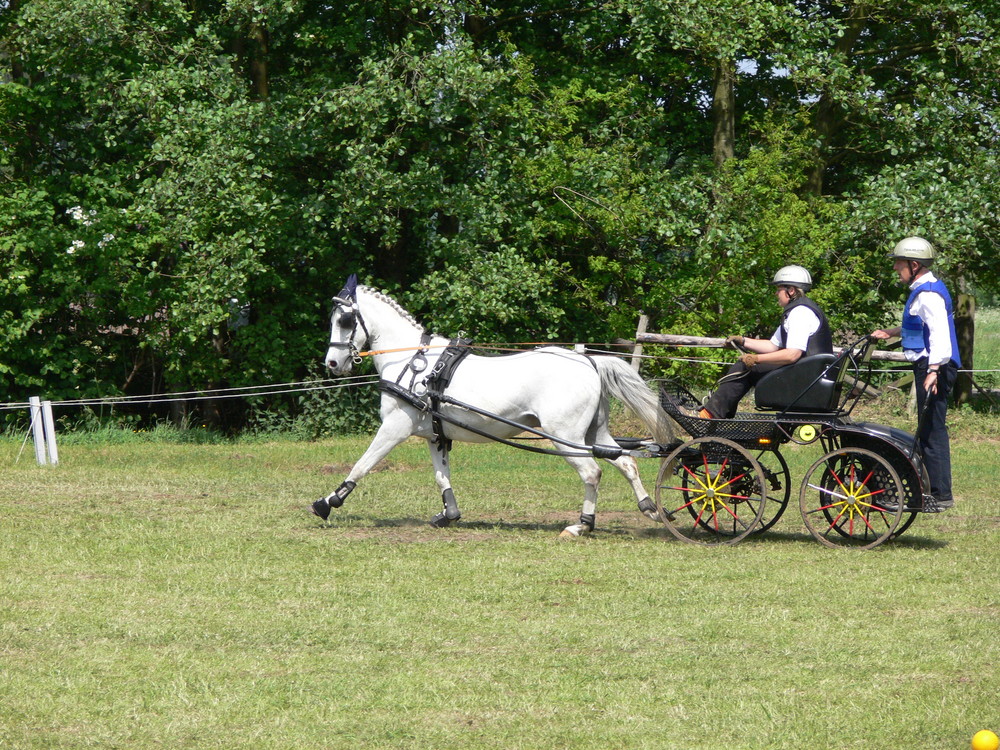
x: 915, y: 248
x: 793, y: 276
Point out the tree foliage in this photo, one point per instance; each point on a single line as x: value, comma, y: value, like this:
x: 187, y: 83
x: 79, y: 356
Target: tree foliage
x: 517, y: 173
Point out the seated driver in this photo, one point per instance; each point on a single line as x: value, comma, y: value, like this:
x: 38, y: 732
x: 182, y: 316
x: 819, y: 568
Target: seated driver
x: 804, y: 330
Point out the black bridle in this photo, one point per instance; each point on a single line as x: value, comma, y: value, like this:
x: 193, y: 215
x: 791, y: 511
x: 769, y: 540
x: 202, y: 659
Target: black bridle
x: 350, y: 318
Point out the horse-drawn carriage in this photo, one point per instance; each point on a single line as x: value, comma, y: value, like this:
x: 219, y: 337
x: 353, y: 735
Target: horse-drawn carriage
x: 727, y: 481
x: 731, y: 479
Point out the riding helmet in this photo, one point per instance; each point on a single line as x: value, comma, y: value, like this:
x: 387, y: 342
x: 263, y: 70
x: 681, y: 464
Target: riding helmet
x: 793, y: 276
x: 915, y: 248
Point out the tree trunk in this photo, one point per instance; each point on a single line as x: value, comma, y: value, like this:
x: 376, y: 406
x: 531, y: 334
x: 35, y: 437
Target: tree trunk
x: 392, y: 262
x: 259, y: 76
x: 724, y: 112
x: 475, y: 26
x: 965, y: 329
x: 828, y: 118
x: 16, y: 69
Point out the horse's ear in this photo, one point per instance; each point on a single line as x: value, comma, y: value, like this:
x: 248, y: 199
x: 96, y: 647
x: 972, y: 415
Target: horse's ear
x: 350, y: 287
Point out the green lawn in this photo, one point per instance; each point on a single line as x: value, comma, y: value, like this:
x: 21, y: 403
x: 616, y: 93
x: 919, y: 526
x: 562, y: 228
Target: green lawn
x: 180, y: 596
x: 987, y: 348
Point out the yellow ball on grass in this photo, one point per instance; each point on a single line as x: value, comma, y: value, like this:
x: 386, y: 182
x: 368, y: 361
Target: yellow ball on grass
x: 985, y: 740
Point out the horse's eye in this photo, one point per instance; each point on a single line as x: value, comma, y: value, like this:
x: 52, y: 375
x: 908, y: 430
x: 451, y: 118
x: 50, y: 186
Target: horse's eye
x: 347, y: 320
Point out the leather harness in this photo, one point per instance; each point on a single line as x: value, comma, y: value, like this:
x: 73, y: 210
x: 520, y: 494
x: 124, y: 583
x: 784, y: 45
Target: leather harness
x: 434, y: 384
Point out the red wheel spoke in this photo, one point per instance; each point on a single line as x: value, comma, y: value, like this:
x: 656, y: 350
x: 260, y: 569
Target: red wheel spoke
x: 827, y: 507
x: 839, y: 482
x: 839, y: 516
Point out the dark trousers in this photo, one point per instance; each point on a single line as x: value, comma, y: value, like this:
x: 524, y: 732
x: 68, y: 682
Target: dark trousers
x: 733, y: 387
x: 932, y: 434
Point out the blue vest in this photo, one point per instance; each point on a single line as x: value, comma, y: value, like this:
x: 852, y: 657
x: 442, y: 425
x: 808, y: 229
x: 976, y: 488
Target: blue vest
x: 916, y: 335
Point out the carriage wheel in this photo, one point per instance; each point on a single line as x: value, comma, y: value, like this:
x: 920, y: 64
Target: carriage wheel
x: 710, y: 491
x: 778, y: 481
x: 779, y: 488
x: 909, y: 516
x: 852, y: 497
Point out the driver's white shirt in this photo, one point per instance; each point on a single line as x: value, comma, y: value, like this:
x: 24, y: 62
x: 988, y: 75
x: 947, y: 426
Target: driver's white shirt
x: 800, y: 325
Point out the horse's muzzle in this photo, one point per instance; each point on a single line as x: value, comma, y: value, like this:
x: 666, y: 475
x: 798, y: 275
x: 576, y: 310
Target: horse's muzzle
x: 340, y: 367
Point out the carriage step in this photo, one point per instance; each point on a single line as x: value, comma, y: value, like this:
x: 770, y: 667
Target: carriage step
x: 933, y: 505
x: 930, y: 505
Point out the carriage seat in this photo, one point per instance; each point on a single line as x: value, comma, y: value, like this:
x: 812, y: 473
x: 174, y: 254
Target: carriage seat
x: 813, y: 384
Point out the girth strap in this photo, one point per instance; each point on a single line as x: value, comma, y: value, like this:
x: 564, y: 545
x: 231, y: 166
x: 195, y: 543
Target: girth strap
x: 436, y: 383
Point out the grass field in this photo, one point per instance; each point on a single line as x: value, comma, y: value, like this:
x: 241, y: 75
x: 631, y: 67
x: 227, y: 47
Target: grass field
x: 181, y: 596
x: 159, y: 595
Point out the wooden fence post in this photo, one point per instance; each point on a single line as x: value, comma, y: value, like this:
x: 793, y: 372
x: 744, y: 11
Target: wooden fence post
x: 637, y: 349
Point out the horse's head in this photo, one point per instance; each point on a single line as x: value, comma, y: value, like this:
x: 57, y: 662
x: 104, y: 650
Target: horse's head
x: 348, y: 333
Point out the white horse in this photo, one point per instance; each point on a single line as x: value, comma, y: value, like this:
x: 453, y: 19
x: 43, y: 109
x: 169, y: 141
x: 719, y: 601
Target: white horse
x: 560, y: 394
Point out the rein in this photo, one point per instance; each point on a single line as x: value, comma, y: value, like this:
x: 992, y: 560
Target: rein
x: 506, y: 347
x: 580, y: 451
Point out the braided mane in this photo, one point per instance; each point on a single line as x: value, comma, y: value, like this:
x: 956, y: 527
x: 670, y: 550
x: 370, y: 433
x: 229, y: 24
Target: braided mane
x: 383, y: 297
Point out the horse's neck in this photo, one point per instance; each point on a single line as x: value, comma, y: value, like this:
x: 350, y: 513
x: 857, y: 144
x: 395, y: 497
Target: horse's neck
x: 390, y: 328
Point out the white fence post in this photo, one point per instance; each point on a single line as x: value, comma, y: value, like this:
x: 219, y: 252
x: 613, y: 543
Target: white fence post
x: 37, y: 429
x: 50, y: 432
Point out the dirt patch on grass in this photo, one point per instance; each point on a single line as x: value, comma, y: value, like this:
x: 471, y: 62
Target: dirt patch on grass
x: 381, y: 466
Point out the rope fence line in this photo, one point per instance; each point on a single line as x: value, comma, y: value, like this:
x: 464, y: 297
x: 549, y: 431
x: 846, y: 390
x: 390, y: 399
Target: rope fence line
x: 216, y: 393
x: 305, y: 386
x: 42, y: 423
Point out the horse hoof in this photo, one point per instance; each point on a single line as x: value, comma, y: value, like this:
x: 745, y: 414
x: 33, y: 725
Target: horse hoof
x: 571, y: 532
x: 441, y: 520
x: 648, y: 509
x: 321, y: 508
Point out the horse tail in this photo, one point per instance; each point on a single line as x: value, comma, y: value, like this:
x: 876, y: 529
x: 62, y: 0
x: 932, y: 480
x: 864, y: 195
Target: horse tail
x: 618, y: 379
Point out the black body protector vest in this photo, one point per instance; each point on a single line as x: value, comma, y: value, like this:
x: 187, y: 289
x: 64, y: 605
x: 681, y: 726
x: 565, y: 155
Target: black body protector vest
x: 820, y: 342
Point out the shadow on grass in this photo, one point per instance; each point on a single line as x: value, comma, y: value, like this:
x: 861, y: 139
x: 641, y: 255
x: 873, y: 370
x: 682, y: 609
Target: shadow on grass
x: 771, y: 537
x: 615, y: 528
x: 480, y: 526
x: 786, y: 537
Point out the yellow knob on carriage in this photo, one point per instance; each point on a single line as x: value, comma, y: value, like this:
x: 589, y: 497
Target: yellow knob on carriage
x: 806, y: 433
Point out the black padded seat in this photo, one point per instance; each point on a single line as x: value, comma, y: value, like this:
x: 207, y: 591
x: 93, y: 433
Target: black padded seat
x: 813, y: 384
